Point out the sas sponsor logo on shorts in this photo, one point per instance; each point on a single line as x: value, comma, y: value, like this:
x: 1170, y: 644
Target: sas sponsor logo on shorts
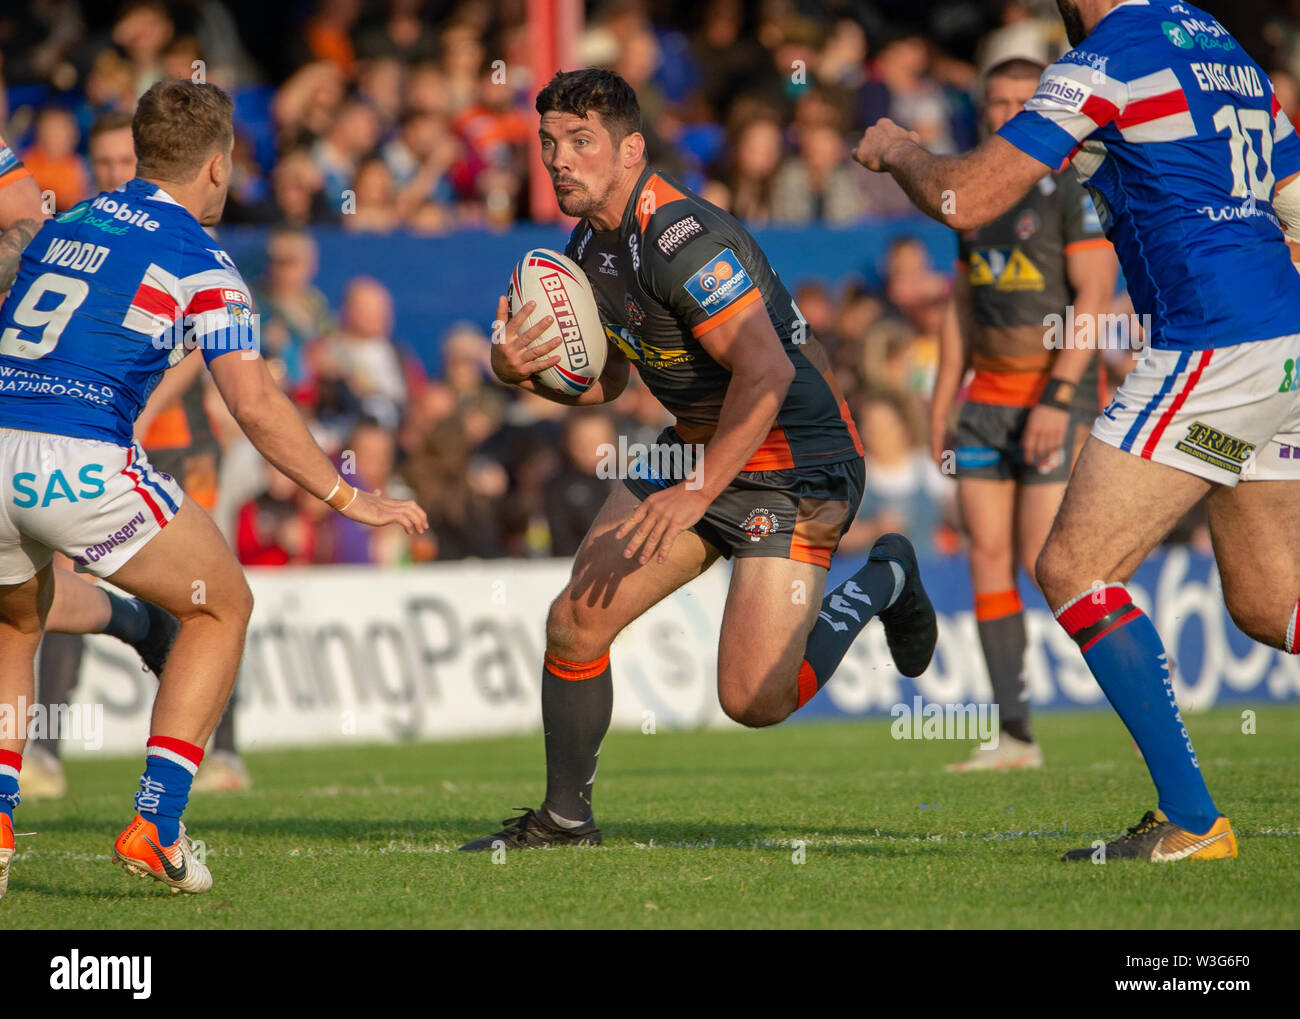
x: 97, y: 551
x: 1057, y: 92
x: 29, y: 494
x: 719, y: 281
x: 1215, y: 447
x: 760, y: 523
x: 676, y: 234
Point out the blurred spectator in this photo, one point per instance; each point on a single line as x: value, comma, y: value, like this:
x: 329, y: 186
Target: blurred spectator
x: 376, y: 202
x: 403, y: 34
x: 112, y: 151
x: 297, y: 192
x: 328, y: 33
x: 53, y: 160
x: 904, y: 490
x: 275, y: 529
x: 899, y: 88
x: 748, y: 180
x: 293, y: 312
x: 818, y: 185
x: 142, y: 32
x: 351, y: 137
x: 361, y: 354
x: 367, y: 462
x: 574, y: 496
x: 460, y: 493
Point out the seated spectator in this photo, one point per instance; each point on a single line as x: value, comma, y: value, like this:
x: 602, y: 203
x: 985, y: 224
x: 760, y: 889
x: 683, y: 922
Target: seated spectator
x: 274, y: 529
x: 573, y: 497
x: 293, y: 312
x: 53, y: 160
x: 361, y: 353
x: 904, y: 492
x: 818, y: 185
x: 376, y: 208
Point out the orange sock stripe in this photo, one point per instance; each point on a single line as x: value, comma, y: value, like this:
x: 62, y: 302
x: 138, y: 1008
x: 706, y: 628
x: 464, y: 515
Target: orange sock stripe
x: 561, y: 669
x: 807, y: 684
x: 997, y: 604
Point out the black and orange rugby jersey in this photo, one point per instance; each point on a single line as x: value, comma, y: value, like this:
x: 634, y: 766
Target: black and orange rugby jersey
x: 677, y: 267
x: 1016, y: 266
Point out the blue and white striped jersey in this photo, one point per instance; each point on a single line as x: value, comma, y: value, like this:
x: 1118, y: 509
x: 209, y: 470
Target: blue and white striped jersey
x: 1177, y: 134
x: 108, y: 296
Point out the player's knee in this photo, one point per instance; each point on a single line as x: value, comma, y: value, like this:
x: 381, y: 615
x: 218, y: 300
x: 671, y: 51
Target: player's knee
x: 1256, y: 619
x: 1052, y: 572
x: 569, y: 635
x: 757, y: 708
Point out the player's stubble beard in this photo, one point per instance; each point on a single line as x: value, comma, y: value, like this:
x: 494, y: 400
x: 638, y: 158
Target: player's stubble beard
x: 582, y: 203
x: 1073, y: 18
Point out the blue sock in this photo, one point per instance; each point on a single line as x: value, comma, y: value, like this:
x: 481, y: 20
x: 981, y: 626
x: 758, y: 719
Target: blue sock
x: 1125, y: 654
x: 165, y: 785
x: 11, y: 764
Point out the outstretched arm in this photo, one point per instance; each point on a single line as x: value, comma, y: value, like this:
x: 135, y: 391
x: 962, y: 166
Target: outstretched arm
x: 963, y: 192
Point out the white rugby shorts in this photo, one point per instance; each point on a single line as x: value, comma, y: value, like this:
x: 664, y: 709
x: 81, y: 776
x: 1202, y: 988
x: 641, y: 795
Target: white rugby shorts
x: 1227, y: 415
x: 94, y: 501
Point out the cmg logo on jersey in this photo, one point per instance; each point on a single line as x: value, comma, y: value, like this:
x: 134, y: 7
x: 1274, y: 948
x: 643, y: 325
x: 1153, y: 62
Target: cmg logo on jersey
x: 719, y: 281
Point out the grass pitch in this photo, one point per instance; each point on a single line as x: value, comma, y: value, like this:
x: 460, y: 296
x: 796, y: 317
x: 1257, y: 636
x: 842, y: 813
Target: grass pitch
x: 702, y: 830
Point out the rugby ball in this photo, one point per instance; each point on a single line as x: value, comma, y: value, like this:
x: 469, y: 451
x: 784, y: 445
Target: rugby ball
x: 561, y: 289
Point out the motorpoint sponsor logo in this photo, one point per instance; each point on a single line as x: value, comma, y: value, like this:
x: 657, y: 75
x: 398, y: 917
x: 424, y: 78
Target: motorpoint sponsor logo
x: 719, y: 281
x: 120, y: 216
x: 94, y: 553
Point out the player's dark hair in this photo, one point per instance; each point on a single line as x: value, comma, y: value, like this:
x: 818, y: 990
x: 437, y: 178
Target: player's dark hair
x: 114, y: 120
x: 1016, y: 67
x: 177, y: 127
x: 593, y: 90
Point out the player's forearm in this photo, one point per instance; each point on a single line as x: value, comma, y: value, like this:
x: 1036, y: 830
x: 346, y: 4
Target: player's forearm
x: 12, y: 242
x: 927, y: 179
x: 1090, y: 305
x: 748, y: 413
x: 276, y: 429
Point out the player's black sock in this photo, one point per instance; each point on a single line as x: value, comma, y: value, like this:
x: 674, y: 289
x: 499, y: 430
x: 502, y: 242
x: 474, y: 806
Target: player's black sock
x: 224, y: 737
x: 1000, y: 619
x: 56, y: 677
x: 127, y: 621
x: 845, y: 611
x: 577, y: 699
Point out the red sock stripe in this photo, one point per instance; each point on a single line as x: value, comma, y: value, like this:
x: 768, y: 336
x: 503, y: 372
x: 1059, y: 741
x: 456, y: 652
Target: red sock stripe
x: 807, y: 684
x: 189, y: 751
x: 576, y: 670
x: 11, y: 759
x: 997, y: 604
x: 1081, y: 619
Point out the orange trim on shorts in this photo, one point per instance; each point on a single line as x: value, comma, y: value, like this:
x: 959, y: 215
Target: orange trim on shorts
x: 1088, y: 244
x: 561, y: 669
x: 807, y: 684
x: 802, y: 552
x: 1007, y: 389
x: 773, y: 455
x: 730, y: 312
x: 997, y: 604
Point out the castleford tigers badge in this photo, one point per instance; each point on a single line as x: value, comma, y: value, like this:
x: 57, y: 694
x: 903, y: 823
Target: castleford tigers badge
x: 760, y: 523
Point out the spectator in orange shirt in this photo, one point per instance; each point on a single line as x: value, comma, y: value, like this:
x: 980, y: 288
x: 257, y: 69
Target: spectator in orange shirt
x: 53, y: 160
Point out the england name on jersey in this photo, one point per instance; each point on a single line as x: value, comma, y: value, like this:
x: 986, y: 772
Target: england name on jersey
x: 1177, y: 134
x: 109, y: 295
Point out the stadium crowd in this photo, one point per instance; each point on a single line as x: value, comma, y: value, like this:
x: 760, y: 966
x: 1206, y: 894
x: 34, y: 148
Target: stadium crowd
x: 415, y: 116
